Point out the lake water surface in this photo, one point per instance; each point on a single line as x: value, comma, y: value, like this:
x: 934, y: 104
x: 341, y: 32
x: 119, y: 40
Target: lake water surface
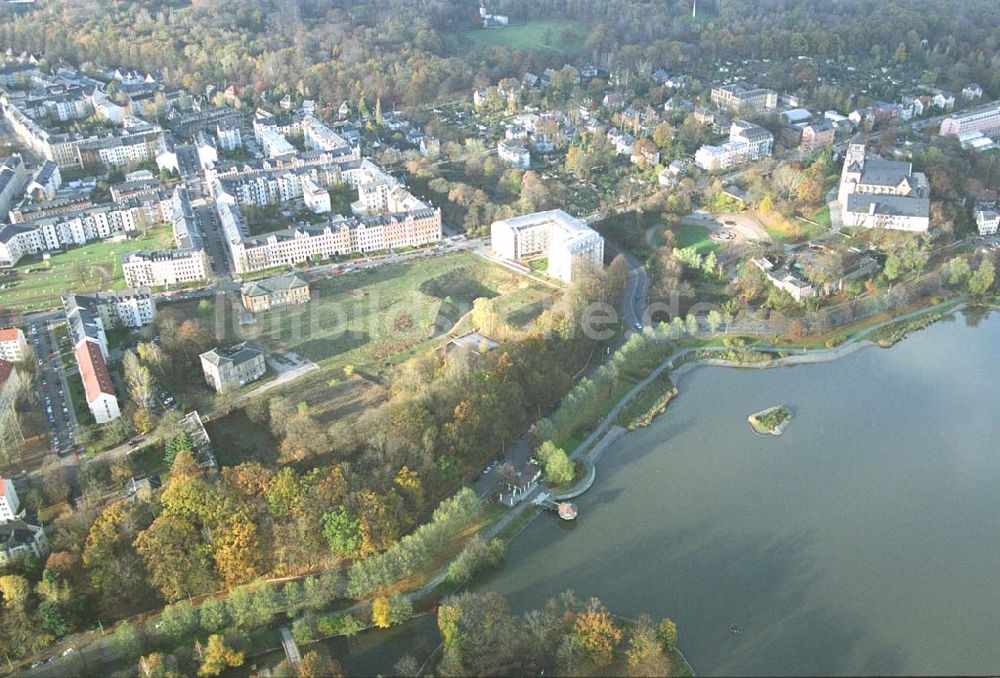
x: 866, y: 539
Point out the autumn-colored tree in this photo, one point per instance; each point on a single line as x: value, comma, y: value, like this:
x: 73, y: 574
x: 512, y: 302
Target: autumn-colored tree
x: 177, y: 558
x: 315, y: 665
x: 237, y: 549
x: 15, y: 590
x: 381, y: 612
x: 666, y: 633
x: 598, y: 633
x: 218, y: 657
x: 644, y: 653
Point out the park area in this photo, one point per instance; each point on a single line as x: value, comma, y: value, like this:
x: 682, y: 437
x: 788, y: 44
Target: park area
x: 560, y: 36
x: 37, y: 285
x: 364, y: 322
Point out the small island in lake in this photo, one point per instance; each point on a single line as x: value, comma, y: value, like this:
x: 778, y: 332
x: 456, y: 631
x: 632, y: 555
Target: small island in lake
x: 771, y: 421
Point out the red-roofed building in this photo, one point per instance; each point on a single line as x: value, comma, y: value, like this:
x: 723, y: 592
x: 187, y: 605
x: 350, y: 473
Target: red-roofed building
x: 13, y: 346
x: 101, y: 397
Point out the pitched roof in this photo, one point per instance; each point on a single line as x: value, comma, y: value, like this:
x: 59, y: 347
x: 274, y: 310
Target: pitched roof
x: 281, y: 283
x: 236, y: 355
x: 896, y: 205
x: 16, y: 532
x: 93, y: 369
x: 9, y: 334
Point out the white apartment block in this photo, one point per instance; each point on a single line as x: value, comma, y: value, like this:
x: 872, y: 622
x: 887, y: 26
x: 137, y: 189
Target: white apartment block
x: 274, y: 144
x: 228, y: 135
x: 715, y: 158
x: 316, y: 198
x: 56, y: 231
x: 120, y: 308
x: 343, y: 235
x: 984, y: 119
x: 514, y: 153
x: 747, y: 142
x: 987, y: 220
x: 878, y: 193
x: 759, y: 141
x: 165, y: 267
x: 319, y: 137
x: 570, y: 245
x: 13, y: 346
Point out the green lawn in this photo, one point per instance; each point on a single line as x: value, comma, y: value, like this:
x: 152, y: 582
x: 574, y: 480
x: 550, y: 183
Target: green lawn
x: 37, y: 285
x: 692, y: 235
x: 366, y: 318
x: 822, y: 216
x: 533, y: 35
x: 370, y: 320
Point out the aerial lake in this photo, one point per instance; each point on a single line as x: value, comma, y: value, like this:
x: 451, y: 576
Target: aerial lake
x: 866, y: 539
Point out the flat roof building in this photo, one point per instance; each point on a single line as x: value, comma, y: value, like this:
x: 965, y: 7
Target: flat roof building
x: 569, y: 243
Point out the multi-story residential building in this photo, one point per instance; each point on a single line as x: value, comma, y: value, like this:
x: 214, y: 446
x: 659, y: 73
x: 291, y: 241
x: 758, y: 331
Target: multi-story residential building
x: 165, y: 267
x: 387, y: 216
x: 263, y: 295
x: 570, y: 245
x: 817, y: 135
x: 187, y: 235
x: 747, y: 142
x: 46, y: 182
x: 513, y: 153
x: 316, y: 198
x: 232, y: 367
x: 878, y: 193
x: 987, y: 219
x: 120, y: 150
x: 10, y: 505
x: 186, y: 124
x: 228, y: 135
x: 13, y: 178
x: 274, y: 144
x: 100, y: 391
x: 76, y: 227
x: 13, y: 346
x: 759, y: 141
x: 116, y: 308
x: 85, y: 324
x: 17, y: 74
x: 740, y: 97
x: 19, y: 539
x: 319, y: 137
x: 714, y: 158
x: 985, y: 119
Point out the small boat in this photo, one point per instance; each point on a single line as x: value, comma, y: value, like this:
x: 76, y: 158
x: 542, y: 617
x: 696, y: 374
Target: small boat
x: 567, y: 511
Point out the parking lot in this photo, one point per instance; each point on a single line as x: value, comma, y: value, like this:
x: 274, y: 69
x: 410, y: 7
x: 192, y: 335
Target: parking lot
x: 207, y: 221
x: 53, y: 392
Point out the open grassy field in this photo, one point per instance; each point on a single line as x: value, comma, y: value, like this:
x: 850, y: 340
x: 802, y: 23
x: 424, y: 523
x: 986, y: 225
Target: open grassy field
x: 367, y: 321
x: 35, y: 285
x: 560, y: 36
x: 692, y: 235
x: 365, y: 318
